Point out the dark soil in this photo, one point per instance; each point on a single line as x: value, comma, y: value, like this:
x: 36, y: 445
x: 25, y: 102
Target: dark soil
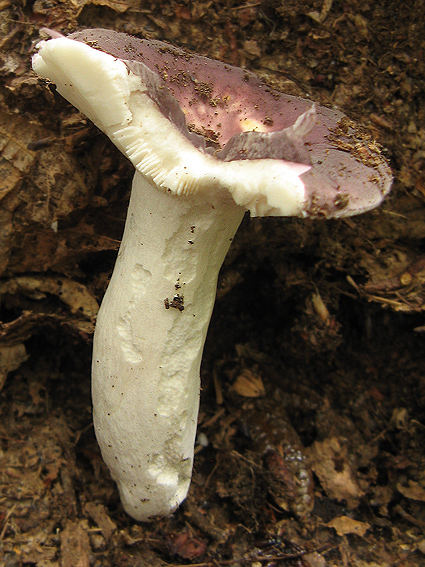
x: 316, y: 344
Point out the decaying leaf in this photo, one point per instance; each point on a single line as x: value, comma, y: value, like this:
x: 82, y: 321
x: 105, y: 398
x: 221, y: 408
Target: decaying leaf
x: 118, y: 5
x: 100, y: 516
x: 186, y: 546
x: 78, y: 312
x: 23, y: 327
x: 249, y: 384
x: 413, y: 491
x: 11, y: 358
x: 344, y: 525
x: 75, y: 545
x: 400, y: 418
x: 16, y: 158
x: 330, y: 462
x: 75, y: 295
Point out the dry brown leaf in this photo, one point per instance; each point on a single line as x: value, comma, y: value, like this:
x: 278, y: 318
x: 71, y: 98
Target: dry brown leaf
x: 72, y: 293
x: 11, y: 358
x: 22, y: 328
x: 344, y: 525
x: 118, y: 5
x: 330, y: 462
x: 314, y: 559
x: 321, y: 16
x: 413, y: 491
x: 249, y: 385
x: 400, y: 418
x: 100, y: 516
x: 75, y: 545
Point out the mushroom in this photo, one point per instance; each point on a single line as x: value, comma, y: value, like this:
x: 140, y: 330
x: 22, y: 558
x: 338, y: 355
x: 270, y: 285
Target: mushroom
x: 208, y: 142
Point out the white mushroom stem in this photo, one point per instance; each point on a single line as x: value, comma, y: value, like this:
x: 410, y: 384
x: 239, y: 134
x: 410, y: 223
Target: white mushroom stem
x: 147, y: 349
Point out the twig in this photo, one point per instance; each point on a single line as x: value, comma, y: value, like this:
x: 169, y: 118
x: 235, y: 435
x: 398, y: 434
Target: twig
x: 6, y: 521
x: 244, y: 6
x: 253, y: 557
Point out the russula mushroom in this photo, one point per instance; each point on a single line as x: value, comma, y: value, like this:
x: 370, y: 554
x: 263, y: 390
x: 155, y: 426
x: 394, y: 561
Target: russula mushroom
x: 208, y: 142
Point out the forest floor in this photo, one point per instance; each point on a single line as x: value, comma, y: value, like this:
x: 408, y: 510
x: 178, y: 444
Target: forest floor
x: 316, y: 345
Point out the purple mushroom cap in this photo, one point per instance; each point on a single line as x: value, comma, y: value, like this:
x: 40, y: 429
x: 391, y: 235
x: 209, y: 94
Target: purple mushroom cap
x: 230, y: 112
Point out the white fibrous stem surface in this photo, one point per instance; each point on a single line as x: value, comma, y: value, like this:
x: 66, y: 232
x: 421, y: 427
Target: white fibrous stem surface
x: 149, y: 339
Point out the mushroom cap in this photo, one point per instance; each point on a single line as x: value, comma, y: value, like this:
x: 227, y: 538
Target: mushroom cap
x: 275, y: 154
